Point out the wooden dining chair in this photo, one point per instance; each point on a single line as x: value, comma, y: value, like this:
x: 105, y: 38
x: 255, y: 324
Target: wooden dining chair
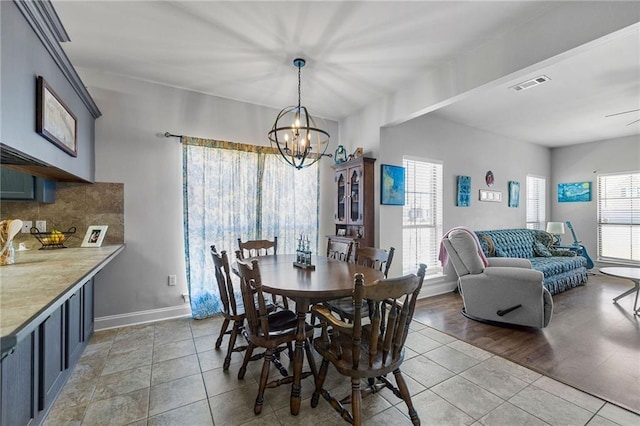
x: 339, y: 250
x: 231, y: 311
x: 369, y: 351
x: 371, y: 257
x: 253, y: 248
x: 268, y: 331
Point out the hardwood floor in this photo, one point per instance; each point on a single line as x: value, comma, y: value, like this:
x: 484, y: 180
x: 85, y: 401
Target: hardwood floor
x: 591, y: 343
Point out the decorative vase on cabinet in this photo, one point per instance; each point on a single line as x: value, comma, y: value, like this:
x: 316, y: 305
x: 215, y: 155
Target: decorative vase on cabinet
x: 354, y: 201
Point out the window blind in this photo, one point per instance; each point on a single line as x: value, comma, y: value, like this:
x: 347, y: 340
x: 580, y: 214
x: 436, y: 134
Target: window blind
x: 422, y: 216
x: 619, y: 217
x: 536, y: 199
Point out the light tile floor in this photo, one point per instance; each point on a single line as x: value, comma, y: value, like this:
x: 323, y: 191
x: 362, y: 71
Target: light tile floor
x: 169, y: 373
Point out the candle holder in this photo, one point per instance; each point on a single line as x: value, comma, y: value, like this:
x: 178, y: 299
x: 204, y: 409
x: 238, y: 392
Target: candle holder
x: 303, y: 254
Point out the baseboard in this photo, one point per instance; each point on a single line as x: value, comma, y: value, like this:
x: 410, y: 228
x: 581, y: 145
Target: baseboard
x: 141, y: 317
x: 436, y: 287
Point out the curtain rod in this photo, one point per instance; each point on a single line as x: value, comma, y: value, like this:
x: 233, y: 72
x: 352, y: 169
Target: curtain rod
x: 171, y: 135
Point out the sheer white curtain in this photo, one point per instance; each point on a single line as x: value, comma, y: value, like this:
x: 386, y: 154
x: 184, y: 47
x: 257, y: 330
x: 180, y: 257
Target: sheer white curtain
x: 236, y: 191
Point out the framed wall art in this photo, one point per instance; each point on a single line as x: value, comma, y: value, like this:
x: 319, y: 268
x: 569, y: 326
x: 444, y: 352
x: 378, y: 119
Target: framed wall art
x: 94, y: 236
x: 514, y: 193
x: 392, y: 185
x: 575, y: 191
x: 54, y: 120
x: 464, y: 191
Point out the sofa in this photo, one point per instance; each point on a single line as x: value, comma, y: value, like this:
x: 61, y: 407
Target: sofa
x: 562, y: 269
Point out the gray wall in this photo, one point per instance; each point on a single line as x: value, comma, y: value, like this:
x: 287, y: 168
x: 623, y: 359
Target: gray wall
x: 465, y: 151
x: 130, y: 149
x: 583, y: 163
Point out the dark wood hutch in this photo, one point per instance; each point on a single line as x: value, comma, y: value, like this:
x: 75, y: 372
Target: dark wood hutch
x: 354, y: 202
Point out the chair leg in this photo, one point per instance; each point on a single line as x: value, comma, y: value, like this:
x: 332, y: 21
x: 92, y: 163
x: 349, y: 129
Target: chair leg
x: 264, y: 376
x: 247, y: 358
x: 290, y: 350
x: 310, y: 359
x: 232, y: 343
x: 356, y: 401
x: 320, y: 378
x: 223, y: 331
x: 404, y: 391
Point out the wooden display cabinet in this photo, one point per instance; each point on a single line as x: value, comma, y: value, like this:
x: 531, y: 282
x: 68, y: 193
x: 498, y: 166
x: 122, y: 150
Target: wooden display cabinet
x: 354, y: 201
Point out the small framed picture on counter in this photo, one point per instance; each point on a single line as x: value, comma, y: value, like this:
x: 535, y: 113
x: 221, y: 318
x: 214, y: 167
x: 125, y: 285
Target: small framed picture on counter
x: 94, y: 236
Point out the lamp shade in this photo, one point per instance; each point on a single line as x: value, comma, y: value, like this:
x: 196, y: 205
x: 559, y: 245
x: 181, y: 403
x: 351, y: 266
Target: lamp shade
x: 555, y: 228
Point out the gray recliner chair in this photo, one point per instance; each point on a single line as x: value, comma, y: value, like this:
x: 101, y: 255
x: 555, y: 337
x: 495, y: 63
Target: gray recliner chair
x: 506, y: 291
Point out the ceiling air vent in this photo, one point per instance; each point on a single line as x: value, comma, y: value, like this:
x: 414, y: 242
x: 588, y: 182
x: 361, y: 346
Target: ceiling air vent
x: 530, y: 83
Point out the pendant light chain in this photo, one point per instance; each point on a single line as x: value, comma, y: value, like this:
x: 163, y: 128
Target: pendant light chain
x: 299, y: 84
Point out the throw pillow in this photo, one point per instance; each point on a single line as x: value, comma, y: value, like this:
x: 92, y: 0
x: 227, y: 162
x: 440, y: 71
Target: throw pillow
x: 540, y: 250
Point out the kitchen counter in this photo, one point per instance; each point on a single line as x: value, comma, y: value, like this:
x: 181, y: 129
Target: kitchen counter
x: 39, y: 281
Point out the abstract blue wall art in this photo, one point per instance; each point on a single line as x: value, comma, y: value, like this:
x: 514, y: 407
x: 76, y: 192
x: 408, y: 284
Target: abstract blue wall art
x: 392, y: 185
x: 464, y: 191
x: 514, y: 193
x: 576, y: 191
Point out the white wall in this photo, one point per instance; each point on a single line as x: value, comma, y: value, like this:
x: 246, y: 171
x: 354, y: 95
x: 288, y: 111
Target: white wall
x: 130, y: 149
x: 583, y: 163
x: 464, y: 151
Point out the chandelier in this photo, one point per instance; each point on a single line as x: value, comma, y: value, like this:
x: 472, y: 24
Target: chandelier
x: 295, y: 134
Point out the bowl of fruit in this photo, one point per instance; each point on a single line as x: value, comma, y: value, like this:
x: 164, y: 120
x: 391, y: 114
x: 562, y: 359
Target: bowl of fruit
x: 54, y: 239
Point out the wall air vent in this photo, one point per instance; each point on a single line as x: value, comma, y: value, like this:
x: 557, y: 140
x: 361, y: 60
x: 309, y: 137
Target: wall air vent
x: 530, y: 83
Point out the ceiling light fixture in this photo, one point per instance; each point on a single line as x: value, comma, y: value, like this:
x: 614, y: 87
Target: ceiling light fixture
x: 295, y: 134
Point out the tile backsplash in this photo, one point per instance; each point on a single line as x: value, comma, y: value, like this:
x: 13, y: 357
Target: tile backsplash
x: 77, y: 204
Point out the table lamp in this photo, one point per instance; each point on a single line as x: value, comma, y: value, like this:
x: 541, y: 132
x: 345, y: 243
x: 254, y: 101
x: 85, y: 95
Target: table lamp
x: 557, y: 230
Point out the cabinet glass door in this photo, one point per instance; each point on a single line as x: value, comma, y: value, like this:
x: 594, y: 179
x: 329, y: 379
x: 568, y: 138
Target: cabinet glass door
x: 341, y: 200
x: 355, y: 205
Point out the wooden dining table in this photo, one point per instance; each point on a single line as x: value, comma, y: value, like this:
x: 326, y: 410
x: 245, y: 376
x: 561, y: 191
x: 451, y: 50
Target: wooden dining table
x: 331, y: 279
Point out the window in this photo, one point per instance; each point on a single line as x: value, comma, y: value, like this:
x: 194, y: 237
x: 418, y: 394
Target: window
x: 243, y: 191
x: 422, y: 216
x: 619, y: 217
x: 536, y: 199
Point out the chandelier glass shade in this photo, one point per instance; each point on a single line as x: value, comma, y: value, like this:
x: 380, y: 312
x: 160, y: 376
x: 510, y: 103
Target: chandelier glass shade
x: 295, y: 134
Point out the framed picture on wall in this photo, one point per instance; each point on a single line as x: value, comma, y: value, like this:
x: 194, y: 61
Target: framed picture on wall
x: 54, y: 120
x: 514, y: 193
x: 575, y: 191
x: 392, y: 185
x: 464, y: 191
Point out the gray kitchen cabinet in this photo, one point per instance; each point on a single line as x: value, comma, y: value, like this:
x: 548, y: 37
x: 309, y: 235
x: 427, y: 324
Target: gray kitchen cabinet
x: 19, y: 186
x: 52, y: 360
x: 87, y: 310
x: 17, y: 384
x: 73, y: 329
x: 33, y: 374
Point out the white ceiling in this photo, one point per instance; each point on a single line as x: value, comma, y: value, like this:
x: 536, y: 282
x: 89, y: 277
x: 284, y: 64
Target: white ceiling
x: 357, y: 53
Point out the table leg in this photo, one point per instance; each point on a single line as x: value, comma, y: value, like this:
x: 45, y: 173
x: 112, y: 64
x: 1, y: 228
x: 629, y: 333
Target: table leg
x: 635, y: 289
x: 302, y: 307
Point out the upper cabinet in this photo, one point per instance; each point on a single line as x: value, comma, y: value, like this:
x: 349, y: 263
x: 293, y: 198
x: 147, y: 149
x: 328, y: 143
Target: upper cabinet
x: 31, y: 34
x: 354, y: 200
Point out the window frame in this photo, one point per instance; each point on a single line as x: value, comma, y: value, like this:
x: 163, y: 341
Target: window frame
x: 541, y: 210
x: 433, y: 265
x: 634, y: 217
